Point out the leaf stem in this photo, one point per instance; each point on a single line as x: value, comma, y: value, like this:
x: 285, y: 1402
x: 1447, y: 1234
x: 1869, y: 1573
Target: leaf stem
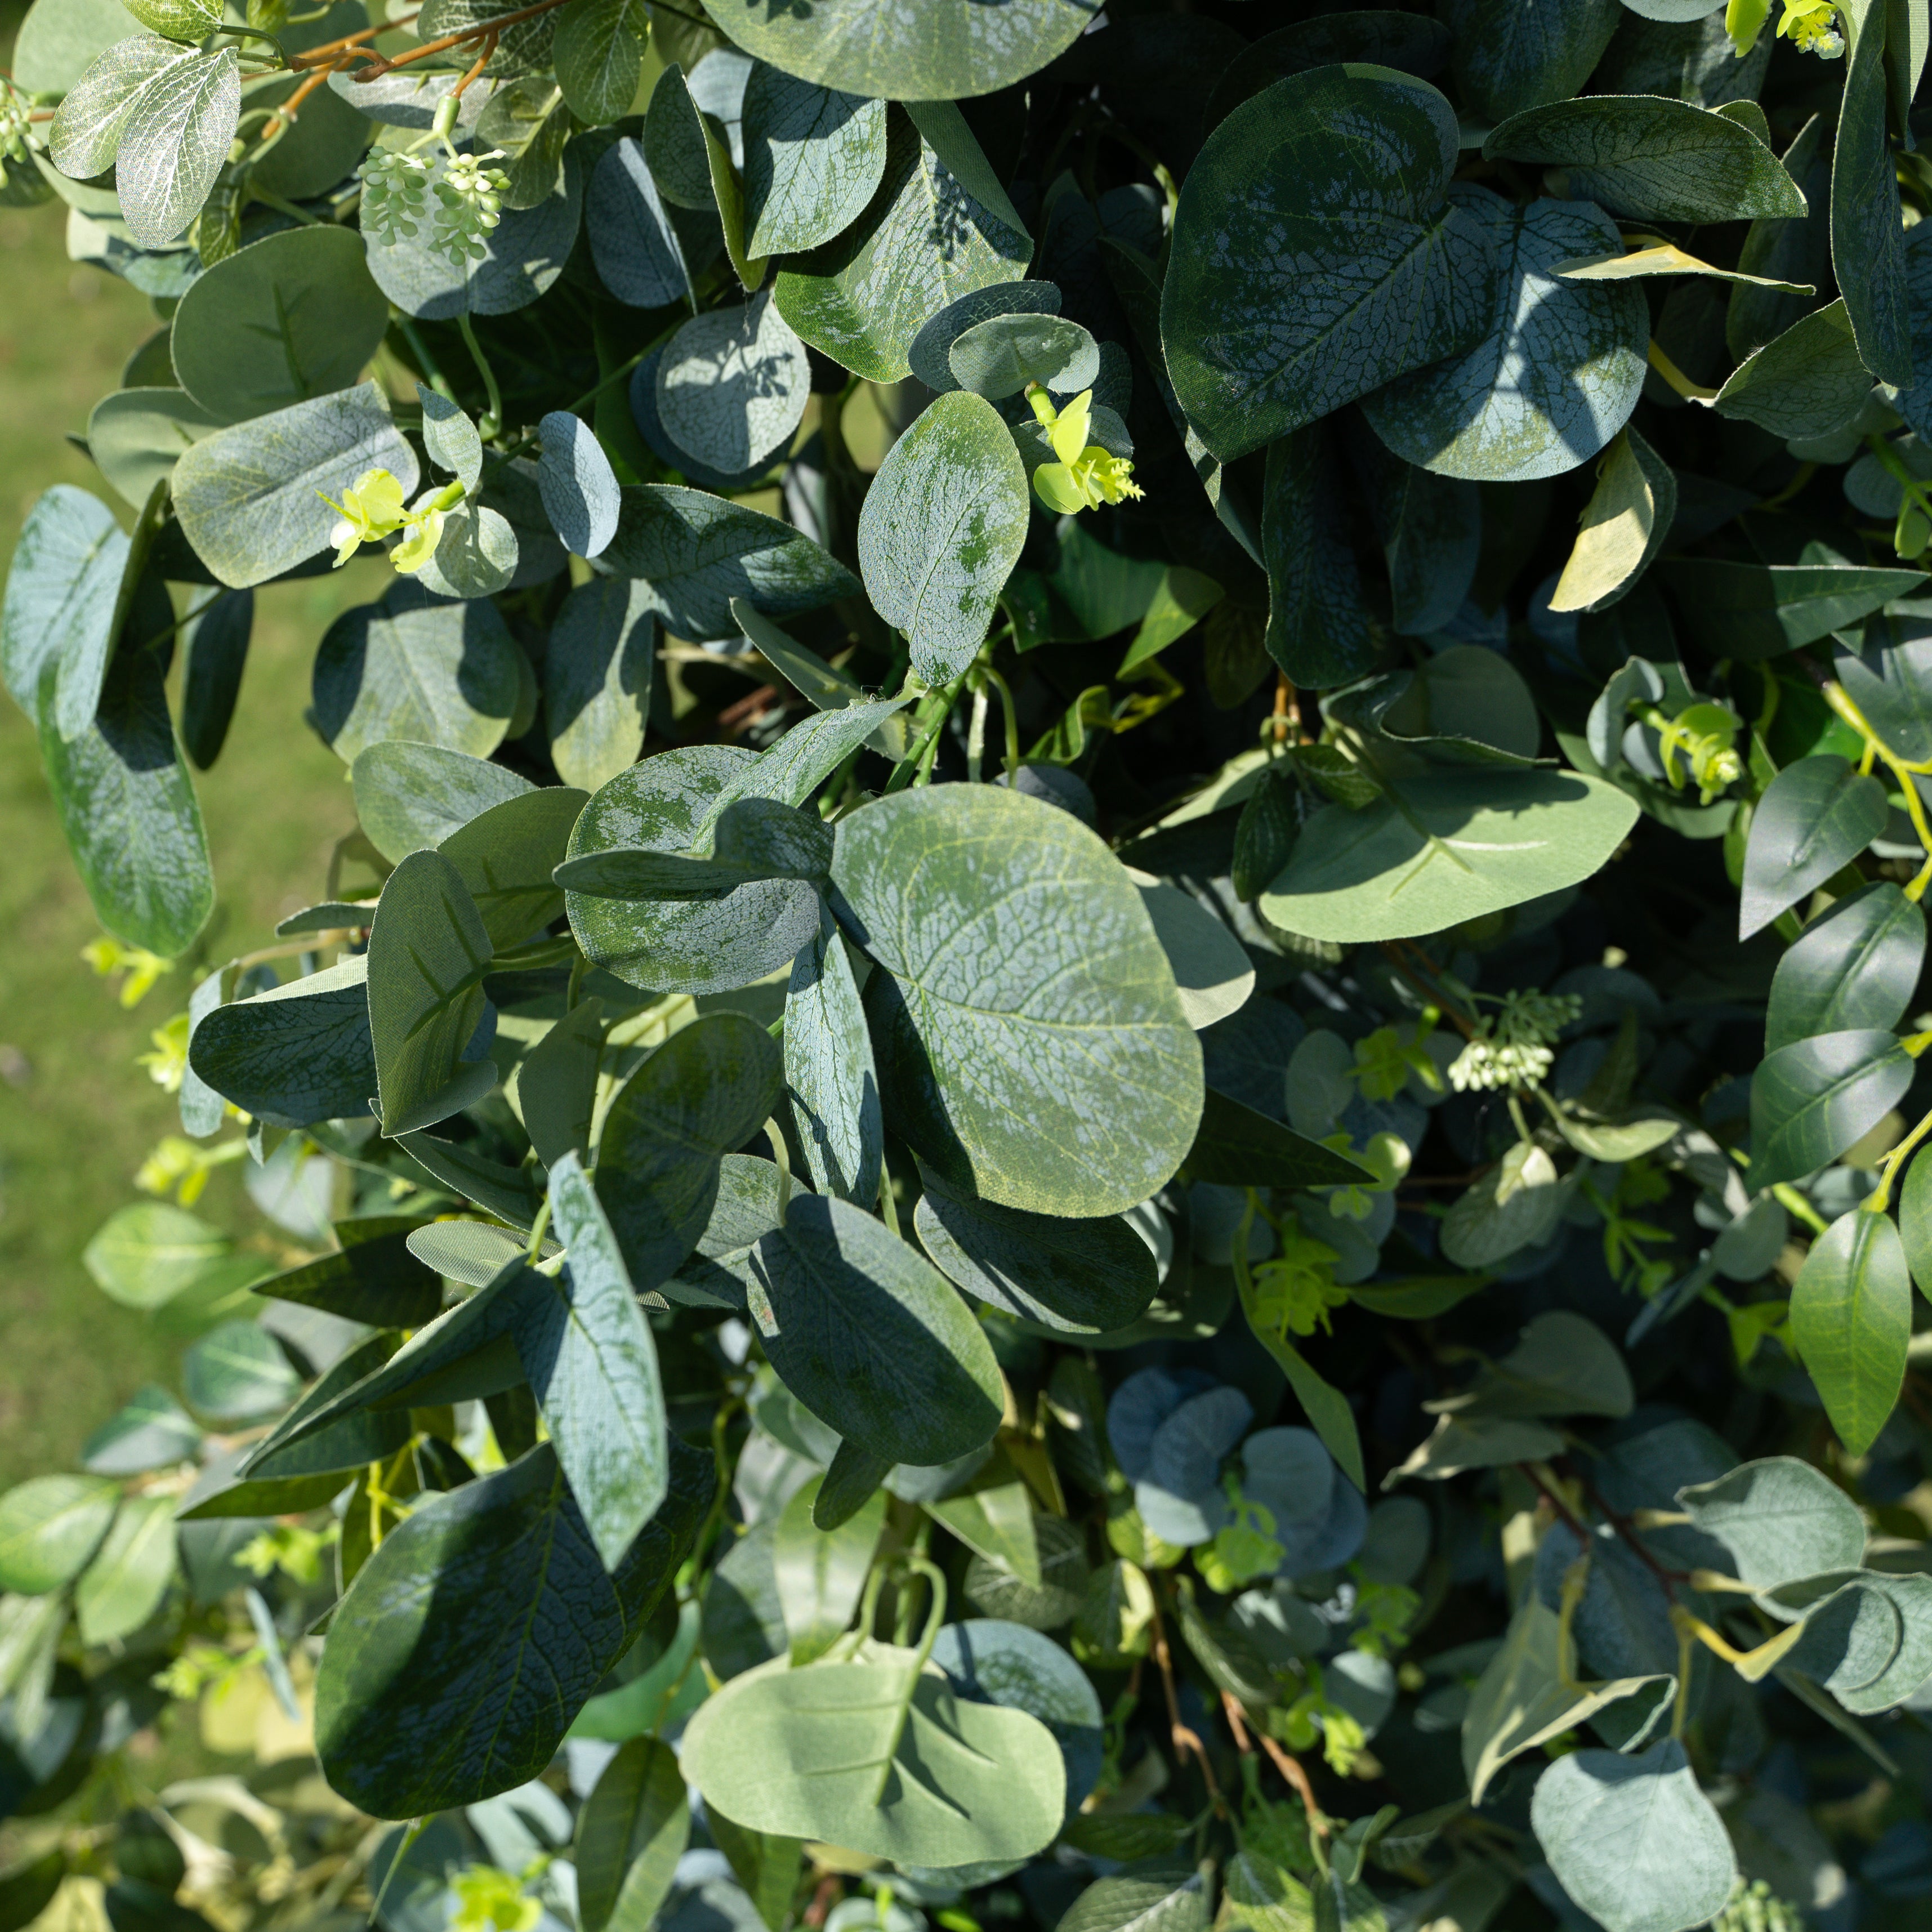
x: 1892, y: 1163
x: 1692, y: 392
x: 493, y: 422
x: 1011, y: 712
x: 539, y: 1228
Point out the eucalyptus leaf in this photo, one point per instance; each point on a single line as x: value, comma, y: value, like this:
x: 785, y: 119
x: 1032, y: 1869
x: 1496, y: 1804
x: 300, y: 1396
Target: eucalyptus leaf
x: 731, y: 384
x: 296, y: 1054
x: 1868, y: 233
x: 631, y: 1832
x: 814, y: 158
x: 830, y: 1080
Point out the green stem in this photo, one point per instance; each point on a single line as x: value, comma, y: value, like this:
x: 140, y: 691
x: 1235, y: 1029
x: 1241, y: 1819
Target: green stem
x: 920, y: 756
x: 492, y: 422
x: 539, y: 1229
x: 419, y: 349
x: 1794, y: 1204
x: 1892, y: 1164
x: 287, y: 208
x: 1011, y: 712
x: 775, y: 1135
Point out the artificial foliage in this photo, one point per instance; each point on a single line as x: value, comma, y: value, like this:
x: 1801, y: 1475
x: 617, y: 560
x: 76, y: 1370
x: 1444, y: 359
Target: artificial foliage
x: 1102, y: 1113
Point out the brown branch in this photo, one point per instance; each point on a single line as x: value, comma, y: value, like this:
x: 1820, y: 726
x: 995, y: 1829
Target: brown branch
x: 481, y: 61
x: 1182, y: 1739
x: 739, y: 712
x: 380, y: 65
x: 285, y: 115
x: 1627, y: 1531
x: 313, y: 56
x: 1571, y: 1521
x: 1434, y: 995
x: 1288, y: 1765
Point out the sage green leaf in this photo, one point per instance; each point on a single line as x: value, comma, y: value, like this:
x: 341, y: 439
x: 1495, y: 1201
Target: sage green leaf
x: 26, y: 1890
x: 821, y: 1573
x: 1798, y: 252
x: 1633, y: 1840
x: 631, y: 1832
x: 247, y: 496
x: 732, y: 384
x: 751, y: 838
x: 930, y: 348
x: 523, y: 256
x: 505, y: 856
x: 871, y: 1337
x: 592, y: 1367
x: 295, y: 1054
x: 410, y: 795
x: 62, y: 587
x: 136, y: 436
x: 1851, y: 1318
x: 89, y: 124
x: 1623, y: 526
x: 1855, y: 966
x: 674, y: 143
x: 1235, y: 1146
x: 426, y: 1701
x: 1315, y: 256
x: 598, y: 54
x: 1318, y: 629
x: 830, y: 1077
x: 353, y: 1440
x: 1813, y: 1100
x: 994, y: 1519
x: 697, y: 552
x: 451, y: 438
x: 710, y: 945
x: 1779, y: 1519
x: 1515, y: 54
x: 150, y: 1431
x: 993, y: 1662
x: 852, y: 1480
x: 597, y: 680
x: 941, y: 529
x: 287, y: 319
x: 413, y: 666
x: 1168, y: 1899
x: 1086, y: 1087
x: 1867, y: 226
x: 475, y: 555
x: 1815, y: 817
x: 174, y: 142
x: 512, y: 1194
x: 999, y: 357
x: 878, y: 1755
x: 1755, y: 610
x: 1809, y: 382
x: 1212, y: 973
x: 923, y: 241
x: 237, y: 1373
x: 146, y: 1254
x: 577, y: 485
x: 1460, y: 844
x: 633, y: 241
x: 428, y: 952
x: 943, y: 50
x: 703, y: 1093
x: 128, y: 808
x: 215, y: 642
x: 1078, y: 1277
x: 1525, y: 1695
x: 373, y: 1277
x: 50, y: 1527
x: 1556, y: 373
x: 814, y: 158
x: 1650, y: 159
x: 56, y: 42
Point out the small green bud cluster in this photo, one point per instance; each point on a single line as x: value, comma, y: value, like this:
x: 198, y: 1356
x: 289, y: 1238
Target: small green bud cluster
x: 1516, y: 1047
x: 14, y: 123
x: 1756, y: 1908
x: 470, y: 199
x: 395, y: 195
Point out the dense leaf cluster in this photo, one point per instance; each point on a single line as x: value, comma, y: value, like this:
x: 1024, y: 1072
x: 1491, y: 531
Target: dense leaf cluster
x: 1105, y: 1114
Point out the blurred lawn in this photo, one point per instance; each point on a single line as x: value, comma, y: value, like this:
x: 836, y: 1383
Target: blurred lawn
x: 77, y: 1115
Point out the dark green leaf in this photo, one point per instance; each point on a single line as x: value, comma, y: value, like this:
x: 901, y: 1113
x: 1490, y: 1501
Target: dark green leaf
x: 428, y: 1700
x: 1815, y: 817
x: 1515, y: 54
x: 1855, y: 966
x: 1813, y: 1100
x: 1868, y: 228
x: 830, y: 1077
x: 296, y: 1054
x: 630, y: 1835
x: 410, y: 796
x: 1851, y: 1318
x: 1318, y: 629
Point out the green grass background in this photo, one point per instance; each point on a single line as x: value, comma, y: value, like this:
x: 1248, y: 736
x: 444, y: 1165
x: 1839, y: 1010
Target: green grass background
x: 74, y: 1130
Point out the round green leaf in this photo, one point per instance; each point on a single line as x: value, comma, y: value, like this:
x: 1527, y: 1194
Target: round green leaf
x: 993, y: 1662
x: 58, y: 38
x: 732, y: 384
x: 633, y: 242
x: 999, y: 357
x: 862, y: 298
x: 941, y: 529
x: 940, y: 50
x: 237, y: 1373
x: 872, y: 1338
x: 426, y: 1700
x: 1556, y: 373
x: 698, y: 946
x: 1274, y: 311
x: 476, y: 554
x: 1652, y: 160
x: 62, y: 587
x: 1808, y: 382
x: 50, y: 1526
x: 408, y: 796
x: 152, y: 1431
x: 123, y: 1586
x: 814, y: 157
x: 597, y: 680
x: 1461, y: 844
x: 137, y: 436
x: 598, y: 54
x: 414, y: 667
x: 146, y: 1254
x: 1078, y: 1277
x: 1514, y: 54
x: 292, y: 317
x: 928, y: 350
x: 1633, y: 1840
x: 1014, y: 944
